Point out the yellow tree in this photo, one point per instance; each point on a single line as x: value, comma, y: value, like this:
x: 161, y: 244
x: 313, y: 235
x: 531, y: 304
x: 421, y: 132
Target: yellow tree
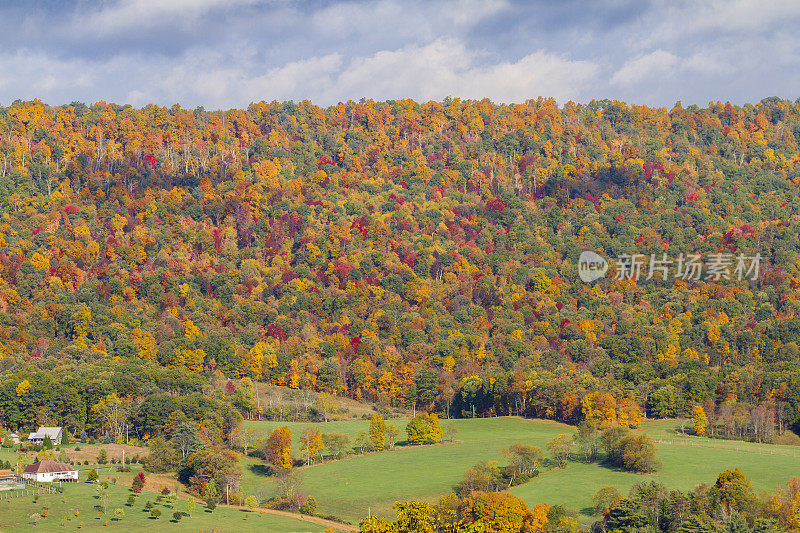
x: 278, y: 449
x: 700, y: 420
x: 424, y: 428
x: 113, y: 410
x: 629, y: 413
x: 600, y: 406
x: 192, y: 360
x: 536, y: 521
x: 311, y: 444
x: 377, y: 432
x: 259, y: 359
x: 145, y: 344
x: 23, y: 387
x: 83, y: 321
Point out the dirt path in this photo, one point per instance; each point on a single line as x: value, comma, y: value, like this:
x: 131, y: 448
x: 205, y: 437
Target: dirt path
x: 338, y: 526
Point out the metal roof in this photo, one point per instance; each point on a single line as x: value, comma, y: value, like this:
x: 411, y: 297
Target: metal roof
x: 48, y: 465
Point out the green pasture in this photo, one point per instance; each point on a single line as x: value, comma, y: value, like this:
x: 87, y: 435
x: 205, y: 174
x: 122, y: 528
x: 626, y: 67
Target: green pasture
x: 357, y: 485
x: 16, y: 515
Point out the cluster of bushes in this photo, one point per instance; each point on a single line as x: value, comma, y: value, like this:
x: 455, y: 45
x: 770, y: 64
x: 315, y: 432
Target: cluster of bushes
x: 632, y: 452
x: 729, y: 504
x: 622, y: 448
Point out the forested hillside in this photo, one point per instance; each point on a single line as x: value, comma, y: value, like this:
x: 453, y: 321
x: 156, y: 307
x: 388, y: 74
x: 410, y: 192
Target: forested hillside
x: 410, y: 254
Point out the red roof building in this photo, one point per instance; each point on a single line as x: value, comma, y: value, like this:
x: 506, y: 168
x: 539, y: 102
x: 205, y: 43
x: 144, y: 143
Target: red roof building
x: 49, y: 470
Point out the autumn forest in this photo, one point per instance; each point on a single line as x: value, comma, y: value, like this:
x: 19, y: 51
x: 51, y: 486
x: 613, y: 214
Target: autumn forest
x: 402, y: 253
x: 417, y: 257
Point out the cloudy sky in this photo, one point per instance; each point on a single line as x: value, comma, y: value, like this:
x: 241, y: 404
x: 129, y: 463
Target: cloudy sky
x: 228, y: 53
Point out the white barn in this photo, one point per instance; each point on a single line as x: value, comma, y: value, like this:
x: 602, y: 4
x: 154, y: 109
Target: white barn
x: 49, y: 470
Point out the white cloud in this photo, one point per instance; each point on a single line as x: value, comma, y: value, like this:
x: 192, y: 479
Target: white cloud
x: 467, y: 13
x: 297, y: 80
x: 221, y: 53
x: 739, y: 15
x: 346, y: 19
x: 131, y: 14
x: 402, y: 20
x: 448, y: 68
x: 234, y: 77
x: 30, y: 73
x: 445, y: 67
x: 537, y: 74
x: 658, y: 63
x: 672, y: 23
x: 710, y: 61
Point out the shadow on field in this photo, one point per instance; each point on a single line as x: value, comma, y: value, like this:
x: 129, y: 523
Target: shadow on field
x: 260, y: 470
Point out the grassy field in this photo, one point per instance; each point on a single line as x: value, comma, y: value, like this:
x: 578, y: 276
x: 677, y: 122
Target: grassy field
x: 15, y: 515
x: 687, y: 462
x: 352, y: 487
x: 7, y: 454
x: 357, y: 485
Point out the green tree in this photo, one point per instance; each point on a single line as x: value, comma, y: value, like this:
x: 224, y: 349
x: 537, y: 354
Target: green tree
x: 559, y: 448
x: 161, y: 457
x: 336, y: 443
x: 186, y: 439
x: 666, y: 402
x: 586, y: 439
x: 627, y: 515
x: 251, y: 502
x: 605, y: 497
x: 482, y: 477
x: 211, y: 496
x: 525, y: 459
x: 209, y: 466
x: 639, y: 454
x: 733, y: 490
x: 635, y: 453
x: 363, y: 443
x: 610, y: 440
x: 414, y: 517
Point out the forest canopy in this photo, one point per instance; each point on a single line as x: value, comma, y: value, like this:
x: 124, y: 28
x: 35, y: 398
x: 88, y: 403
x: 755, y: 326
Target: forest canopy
x: 410, y: 254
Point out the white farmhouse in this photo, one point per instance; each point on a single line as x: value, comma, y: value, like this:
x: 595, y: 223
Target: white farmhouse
x: 55, y: 434
x: 49, y: 470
